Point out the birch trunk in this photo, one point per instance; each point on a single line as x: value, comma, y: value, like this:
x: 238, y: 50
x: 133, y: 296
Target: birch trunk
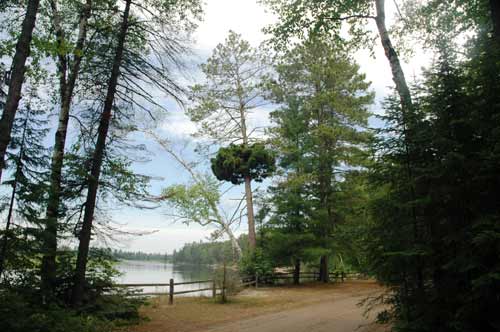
x: 397, y: 71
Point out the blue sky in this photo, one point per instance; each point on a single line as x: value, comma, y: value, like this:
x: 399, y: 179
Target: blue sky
x: 247, y: 18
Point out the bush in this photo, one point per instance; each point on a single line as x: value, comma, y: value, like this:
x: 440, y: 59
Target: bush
x: 104, y: 306
x: 256, y: 263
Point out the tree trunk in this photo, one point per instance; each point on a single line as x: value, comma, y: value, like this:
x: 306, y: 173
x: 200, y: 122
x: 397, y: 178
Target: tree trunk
x: 251, y: 221
x: 234, y: 242
x: 397, y: 72
x: 323, y: 269
x: 495, y: 18
x: 252, y: 241
x: 18, y: 70
x: 407, y: 119
x: 296, y: 272
x: 93, y: 180
x: 66, y: 90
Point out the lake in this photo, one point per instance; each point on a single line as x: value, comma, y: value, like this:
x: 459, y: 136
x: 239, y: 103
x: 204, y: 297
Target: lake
x: 149, y: 272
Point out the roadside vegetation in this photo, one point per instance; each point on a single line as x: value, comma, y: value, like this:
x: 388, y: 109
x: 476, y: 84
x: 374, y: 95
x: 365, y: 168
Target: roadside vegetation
x: 405, y: 191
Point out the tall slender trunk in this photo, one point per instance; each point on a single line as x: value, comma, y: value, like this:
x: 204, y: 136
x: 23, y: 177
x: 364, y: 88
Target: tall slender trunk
x: 324, y: 274
x: 19, y: 167
x: 495, y: 18
x: 67, y: 83
x: 234, y: 242
x: 252, y: 240
x: 407, y: 118
x: 397, y: 71
x: 93, y: 180
x: 296, y: 272
x: 18, y: 70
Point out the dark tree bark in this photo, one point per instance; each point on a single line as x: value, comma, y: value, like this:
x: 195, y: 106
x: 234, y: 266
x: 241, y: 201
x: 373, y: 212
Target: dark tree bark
x: 18, y: 70
x: 68, y: 75
x: 495, y: 18
x: 93, y: 180
x: 296, y: 272
x: 324, y: 275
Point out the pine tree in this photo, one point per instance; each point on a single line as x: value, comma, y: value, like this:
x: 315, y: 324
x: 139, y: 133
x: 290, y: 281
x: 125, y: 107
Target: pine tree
x: 26, y: 166
x: 319, y: 129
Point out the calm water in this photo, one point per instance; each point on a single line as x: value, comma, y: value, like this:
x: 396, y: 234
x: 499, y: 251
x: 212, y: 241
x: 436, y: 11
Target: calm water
x: 146, y: 272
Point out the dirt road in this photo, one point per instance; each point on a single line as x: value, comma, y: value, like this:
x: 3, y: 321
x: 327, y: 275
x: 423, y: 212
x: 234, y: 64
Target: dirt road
x: 312, y: 307
x: 337, y: 314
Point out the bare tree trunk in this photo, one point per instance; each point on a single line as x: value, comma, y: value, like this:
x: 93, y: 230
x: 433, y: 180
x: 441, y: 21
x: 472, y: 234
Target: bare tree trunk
x: 234, y: 242
x: 323, y: 269
x: 93, y: 180
x: 296, y: 272
x: 397, y: 72
x: 18, y: 70
x: 495, y: 18
x: 67, y: 83
x: 252, y: 241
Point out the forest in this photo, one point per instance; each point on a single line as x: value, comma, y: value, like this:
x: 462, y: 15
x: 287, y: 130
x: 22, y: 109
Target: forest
x: 404, y: 190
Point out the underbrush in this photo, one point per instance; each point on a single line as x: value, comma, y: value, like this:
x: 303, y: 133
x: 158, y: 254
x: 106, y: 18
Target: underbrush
x: 23, y: 307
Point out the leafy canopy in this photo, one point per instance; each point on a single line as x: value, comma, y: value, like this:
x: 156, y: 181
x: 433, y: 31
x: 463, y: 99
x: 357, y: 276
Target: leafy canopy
x: 236, y: 162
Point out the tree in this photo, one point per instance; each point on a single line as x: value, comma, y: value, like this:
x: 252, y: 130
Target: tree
x: 176, y: 15
x: 68, y: 70
x: 320, y: 128
x: 27, y: 160
x: 236, y: 163
x: 441, y: 267
x: 223, y: 104
x: 308, y: 18
x: 83, y: 248
x: 198, y: 202
x: 16, y: 78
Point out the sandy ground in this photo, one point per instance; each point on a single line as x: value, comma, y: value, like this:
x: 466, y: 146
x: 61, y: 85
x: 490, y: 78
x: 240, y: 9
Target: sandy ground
x: 306, y: 308
x: 334, y: 315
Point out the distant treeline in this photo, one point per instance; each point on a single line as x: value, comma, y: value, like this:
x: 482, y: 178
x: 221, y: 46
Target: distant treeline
x: 141, y: 256
x: 206, y: 253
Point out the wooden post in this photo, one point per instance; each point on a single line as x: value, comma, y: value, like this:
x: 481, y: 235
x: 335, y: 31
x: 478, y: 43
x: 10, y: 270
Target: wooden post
x: 342, y: 276
x: 171, y: 292
x: 214, y: 289
x: 257, y: 280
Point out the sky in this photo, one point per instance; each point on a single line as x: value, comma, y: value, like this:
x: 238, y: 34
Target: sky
x: 248, y: 18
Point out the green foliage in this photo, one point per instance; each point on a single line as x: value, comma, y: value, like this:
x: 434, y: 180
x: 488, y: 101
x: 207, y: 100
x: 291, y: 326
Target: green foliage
x: 105, y: 307
x: 325, y: 18
x: 320, y: 137
x: 435, y: 235
x: 140, y: 256
x: 237, y: 162
x: 231, y: 89
x: 255, y: 263
x: 194, y: 202
x: 207, y: 253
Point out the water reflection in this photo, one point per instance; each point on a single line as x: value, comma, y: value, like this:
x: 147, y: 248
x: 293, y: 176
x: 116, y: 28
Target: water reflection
x: 147, y: 272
